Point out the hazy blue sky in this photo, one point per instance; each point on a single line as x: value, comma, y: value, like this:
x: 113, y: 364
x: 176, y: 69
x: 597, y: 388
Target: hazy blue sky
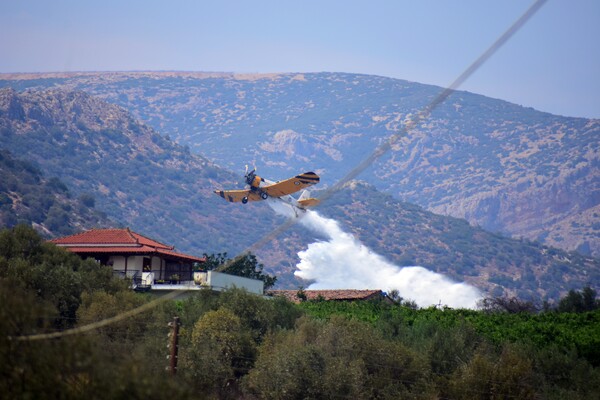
x: 552, y: 64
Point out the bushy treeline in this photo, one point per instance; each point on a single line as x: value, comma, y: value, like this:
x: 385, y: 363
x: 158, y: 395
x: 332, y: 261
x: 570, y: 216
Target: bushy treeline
x: 237, y: 345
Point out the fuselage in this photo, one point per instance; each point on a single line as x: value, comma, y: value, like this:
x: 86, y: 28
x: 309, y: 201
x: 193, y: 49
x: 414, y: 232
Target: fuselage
x: 256, y: 183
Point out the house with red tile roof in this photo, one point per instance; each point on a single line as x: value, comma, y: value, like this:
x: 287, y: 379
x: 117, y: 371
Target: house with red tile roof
x: 298, y: 296
x: 150, y: 264
x: 133, y: 255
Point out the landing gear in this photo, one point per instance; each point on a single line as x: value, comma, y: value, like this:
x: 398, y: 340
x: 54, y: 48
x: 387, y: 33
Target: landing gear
x: 244, y: 200
x: 264, y: 196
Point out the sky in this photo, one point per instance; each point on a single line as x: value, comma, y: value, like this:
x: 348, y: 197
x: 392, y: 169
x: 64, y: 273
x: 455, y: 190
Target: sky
x: 552, y: 64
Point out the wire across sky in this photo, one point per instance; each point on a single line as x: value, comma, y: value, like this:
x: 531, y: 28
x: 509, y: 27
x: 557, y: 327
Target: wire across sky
x: 413, y: 122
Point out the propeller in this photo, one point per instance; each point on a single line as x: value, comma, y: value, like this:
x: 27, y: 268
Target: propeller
x: 250, y: 175
x: 246, y: 173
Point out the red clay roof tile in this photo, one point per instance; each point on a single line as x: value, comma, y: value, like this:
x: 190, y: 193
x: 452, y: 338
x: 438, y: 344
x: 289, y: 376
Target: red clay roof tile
x: 346, y: 294
x: 118, y: 241
x: 110, y: 236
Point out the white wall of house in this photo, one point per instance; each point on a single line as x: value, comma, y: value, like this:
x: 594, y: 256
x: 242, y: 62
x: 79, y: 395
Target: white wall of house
x: 118, y: 262
x: 134, y: 263
x: 220, y: 281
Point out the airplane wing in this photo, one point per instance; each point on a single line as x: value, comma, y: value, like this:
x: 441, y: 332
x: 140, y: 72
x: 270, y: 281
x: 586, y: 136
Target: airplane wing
x: 236, y: 196
x: 291, y: 185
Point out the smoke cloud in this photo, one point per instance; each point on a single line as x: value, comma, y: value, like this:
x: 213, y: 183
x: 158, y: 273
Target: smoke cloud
x: 340, y: 261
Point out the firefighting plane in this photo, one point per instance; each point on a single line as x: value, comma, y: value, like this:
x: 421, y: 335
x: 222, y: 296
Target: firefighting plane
x: 262, y: 189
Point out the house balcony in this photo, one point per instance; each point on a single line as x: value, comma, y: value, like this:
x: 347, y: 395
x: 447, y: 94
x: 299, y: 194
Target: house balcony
x: 218, y: 281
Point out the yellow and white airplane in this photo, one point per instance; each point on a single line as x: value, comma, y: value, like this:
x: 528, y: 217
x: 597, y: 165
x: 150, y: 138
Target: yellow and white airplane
x: 262, y: 189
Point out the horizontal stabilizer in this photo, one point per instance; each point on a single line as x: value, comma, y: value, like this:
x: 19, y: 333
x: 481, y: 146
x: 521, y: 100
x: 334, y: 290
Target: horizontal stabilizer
x: 309, y: 202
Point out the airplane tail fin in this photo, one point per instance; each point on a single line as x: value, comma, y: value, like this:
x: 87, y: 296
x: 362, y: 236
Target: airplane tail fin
x: 304, y: 195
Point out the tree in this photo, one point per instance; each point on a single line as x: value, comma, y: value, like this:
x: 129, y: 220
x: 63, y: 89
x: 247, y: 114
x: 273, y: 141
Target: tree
x: 101, y: 305
x: 576, y: 301
x: 511, y: 305
x: 301, y: 294
x: 589, y: 299
x: 260, y: 316
x: 214, y: 261
x: 53, y: 273
x: 88, y: 200
x: 490, y: 376
x: 338, y: 358
x: 220, y: 351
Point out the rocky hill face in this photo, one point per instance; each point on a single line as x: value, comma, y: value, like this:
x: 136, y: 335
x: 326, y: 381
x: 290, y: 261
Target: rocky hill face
x: 139, y: 178
x: 501, y: 166
x: 160, y: 188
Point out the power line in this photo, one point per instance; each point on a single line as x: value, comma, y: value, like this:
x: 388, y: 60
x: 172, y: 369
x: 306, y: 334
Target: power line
x: 425, y: 113
x: 99, y: 324
x: 408, y: 127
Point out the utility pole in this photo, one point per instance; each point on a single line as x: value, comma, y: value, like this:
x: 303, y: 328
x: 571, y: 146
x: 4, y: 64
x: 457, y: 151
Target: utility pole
x: 174, y: 345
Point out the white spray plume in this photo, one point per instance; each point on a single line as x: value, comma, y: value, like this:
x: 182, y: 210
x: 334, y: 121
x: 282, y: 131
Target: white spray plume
x: 342, y: 262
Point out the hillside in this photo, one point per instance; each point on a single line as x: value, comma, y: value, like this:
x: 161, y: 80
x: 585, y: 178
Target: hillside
x: 504, y: 167
x: 158, y: 187
x: 410, y: 235
x: 139, y: 178
x: 28, y: 197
